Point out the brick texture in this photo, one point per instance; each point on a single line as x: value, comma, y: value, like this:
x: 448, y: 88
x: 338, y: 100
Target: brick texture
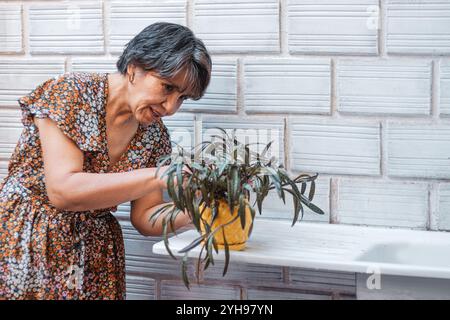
x: 356, y: 90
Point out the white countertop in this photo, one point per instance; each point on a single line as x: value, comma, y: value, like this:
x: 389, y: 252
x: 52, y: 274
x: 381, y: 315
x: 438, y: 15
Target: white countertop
x: 336, y: 247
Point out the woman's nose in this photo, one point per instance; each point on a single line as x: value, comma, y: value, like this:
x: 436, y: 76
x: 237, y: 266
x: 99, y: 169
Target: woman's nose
x: 171, y: 105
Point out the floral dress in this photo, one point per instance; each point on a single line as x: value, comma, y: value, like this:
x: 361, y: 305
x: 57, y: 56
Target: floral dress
x: 47, y: 253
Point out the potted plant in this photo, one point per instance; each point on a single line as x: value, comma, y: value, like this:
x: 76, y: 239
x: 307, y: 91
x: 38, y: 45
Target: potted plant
x: 219, y: 177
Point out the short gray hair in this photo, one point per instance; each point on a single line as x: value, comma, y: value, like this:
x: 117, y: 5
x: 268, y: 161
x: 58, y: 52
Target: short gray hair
x: 168, y: 48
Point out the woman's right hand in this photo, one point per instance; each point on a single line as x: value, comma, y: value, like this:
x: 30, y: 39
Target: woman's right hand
x: 163, y: 179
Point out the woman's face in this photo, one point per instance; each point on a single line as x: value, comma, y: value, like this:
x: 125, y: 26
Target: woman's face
x: 152, y: 97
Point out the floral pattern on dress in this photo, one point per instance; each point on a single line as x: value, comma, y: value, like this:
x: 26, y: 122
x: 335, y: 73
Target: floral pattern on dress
x: 47, y: 253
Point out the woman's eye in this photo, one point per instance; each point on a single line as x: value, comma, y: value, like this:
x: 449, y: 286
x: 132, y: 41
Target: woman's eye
x: 169, y: 87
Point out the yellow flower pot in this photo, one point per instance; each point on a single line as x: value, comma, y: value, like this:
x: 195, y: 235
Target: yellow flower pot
x: 236, y: 236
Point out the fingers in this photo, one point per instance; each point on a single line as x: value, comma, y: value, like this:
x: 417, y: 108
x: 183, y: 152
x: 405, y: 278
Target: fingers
x: 164, y: 179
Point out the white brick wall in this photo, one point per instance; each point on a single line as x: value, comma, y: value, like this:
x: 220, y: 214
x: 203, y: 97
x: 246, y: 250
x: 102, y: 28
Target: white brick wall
x: 127, y: 18
x: 332, y: 26
x: 66, y: 28
x: 357, y: 90
x: 295, y: 86
x: 384, y: 86
x: 335, y: 146
x: 10, y: 28
x: 418, y: 27
x: 237, y: 26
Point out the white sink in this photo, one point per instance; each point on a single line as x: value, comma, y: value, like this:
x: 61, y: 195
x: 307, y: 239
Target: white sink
x: 404, y: 253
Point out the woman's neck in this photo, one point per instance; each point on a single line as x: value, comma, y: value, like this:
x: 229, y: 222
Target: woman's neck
x: 118, y: 110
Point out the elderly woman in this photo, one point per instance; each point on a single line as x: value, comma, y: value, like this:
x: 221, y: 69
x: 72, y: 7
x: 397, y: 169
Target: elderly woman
x: 90, y: 142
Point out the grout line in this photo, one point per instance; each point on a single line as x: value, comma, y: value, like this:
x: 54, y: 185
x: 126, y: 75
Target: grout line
x: 68, y: 64
x: 333, y: 89
x: 329, y: 55
x: 106, y: 8
x: 190, y: 14
x: 382, y: 29
x: 435, y: 90
x: 198, y: 130
x: 286, y: 274
x: 433, y: 207
x: 240, y: 84
x: 283, y: 26
x: 157, y: 289
x: 383, y: 148
x: 334, y: 201
x: 25, y: 29
x: 287, y: 144
x: 243, y: 293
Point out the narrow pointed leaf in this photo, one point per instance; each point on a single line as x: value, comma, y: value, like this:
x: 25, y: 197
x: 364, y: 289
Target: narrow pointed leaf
x: 184, y: 267
x: 241, y: 211
x: 227, y: 253
x: 312, y: 190
x: 166, y: 239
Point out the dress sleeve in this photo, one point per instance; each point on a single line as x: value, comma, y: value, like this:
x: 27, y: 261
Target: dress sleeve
x: 59, y: 99
x: 162, y: 148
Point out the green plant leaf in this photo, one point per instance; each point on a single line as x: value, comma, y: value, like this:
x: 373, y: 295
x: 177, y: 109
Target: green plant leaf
x: 297, y: 206
x: 172, y: 217
x: 207, y: 262
x: 259, y: 201
x: 303, y: 188
x: 253, y: 214
x: 249, y: 189
x: 184, y: 267
x: 154, y: 217
x: 199, y: 263
x: 171, y: 191
x: 310, y: 205
x: 241, y: 211
x: 236, y: 181
x: 277, y: 183
x: 209, y: 245
x: 196, y: 213
x: 180, y: 182
x: 227, y: 253
x: 215, y: 210
x: 266, y: 148
x: 305, y: 178
x: 247, y: 156
x: 230, y: 190
x: 192, y: 245
x: 314, y: 208
x: 222, y: 167
x: 222, y: 130
x: 196, y: 166
x: 215, y: 246
x: 312, y: 190
x: 166, y: 239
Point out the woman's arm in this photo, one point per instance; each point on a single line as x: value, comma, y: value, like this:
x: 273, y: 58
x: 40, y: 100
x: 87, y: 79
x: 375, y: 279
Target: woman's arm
x: 142, y: 209
x: 69, y: 188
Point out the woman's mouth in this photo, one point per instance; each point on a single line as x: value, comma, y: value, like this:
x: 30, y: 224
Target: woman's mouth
x: 154, y: 113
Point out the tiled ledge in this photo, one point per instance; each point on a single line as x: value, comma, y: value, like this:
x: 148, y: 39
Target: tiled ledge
x: 334, y: 247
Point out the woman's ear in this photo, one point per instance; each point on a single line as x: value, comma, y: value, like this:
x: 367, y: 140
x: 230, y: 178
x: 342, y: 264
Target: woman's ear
x: 131, y: 71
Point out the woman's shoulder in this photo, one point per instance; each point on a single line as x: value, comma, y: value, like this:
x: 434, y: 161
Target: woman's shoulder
x: 74, y: 100
x: 83, y: 82
x: 91, y: 86
x: 70, y: 85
